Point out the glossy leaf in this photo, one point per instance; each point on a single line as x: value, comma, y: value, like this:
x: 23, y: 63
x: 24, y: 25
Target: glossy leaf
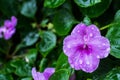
x: 8, y: 68
x: 42, y: 64
x: 117, y: 16
x: 114, y: 74
x: 86, y: 3
x: 31, y: 56
x: 62, y: 74
x: 97, y: 9
x: 63, y: 22
x: 24, y: 70
x: 113, y: 35
x: 21, y: 68
x: 29, y: 8
x: 29, y: 40
x: 28, y: 78
x: 53, y: 3
x: 48, y: 42
x: 62, y: 62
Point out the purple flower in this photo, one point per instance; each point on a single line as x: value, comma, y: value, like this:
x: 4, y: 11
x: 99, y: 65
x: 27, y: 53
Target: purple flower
x: 42, y: 76
x: 85, y: 47
x: 8, y: 29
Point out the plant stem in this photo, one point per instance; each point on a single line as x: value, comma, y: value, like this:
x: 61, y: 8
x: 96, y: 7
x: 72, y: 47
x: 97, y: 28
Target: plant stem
x: 107, y: 26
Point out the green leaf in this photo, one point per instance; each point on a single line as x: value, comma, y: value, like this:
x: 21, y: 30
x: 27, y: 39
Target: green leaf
x: 17, y: 63
x: 27, y: 78
x: 23, y: 71
x: 21, y: 68
x: 113, y: 35
x: 29, y: 8
x: 29, y: 40
x: 86, y: 3
x: 5, y: 77
x: 62, y: 74
x: 42, y: 64
x: 31, y: 56
x: 114, y: 74
x: 97, y: 9
x: 63, y: 22
x: 53, y: 3
x: 48, y: 42
x: 8, y: 68
x: 62, y: 62
x: 117, y: 16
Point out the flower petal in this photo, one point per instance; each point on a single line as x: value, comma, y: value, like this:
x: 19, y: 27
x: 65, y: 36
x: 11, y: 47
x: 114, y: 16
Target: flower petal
x: 79, y: 30
x: 48, y: 72
x: 2, y: 30
x: 100, y: 46
x: 9, y: 33
x: 90, y: 63
x: 75, y: 61
x: 92, y: 31
x: 37, y: 75
x: 14, y: 21
x: 70, y: 45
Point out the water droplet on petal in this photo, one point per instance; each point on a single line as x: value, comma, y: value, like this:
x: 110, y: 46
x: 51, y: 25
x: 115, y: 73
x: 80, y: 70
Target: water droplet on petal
x: 98, y: 56
x: 104, y: 44
x: 91, y: 34
x: 68, y: 46
x: 92, y: 28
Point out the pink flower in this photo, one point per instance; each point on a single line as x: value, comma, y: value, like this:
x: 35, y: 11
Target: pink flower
x: 85, y: 47
x: 8, y: 29
x: 42, y: 76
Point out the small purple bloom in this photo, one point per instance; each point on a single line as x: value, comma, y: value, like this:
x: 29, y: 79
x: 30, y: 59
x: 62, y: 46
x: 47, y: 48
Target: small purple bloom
x: 8, y: 29
x: 85, y: 47
x: 42, y: 76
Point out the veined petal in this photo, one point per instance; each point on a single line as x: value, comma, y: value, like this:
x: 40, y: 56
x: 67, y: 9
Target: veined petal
x: 100, y: 46
x: 79, y: 30
x: 71, y: 44
x: 90, y: 63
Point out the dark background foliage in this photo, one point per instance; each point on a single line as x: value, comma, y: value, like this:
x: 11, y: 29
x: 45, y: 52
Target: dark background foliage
x: 42, y: 26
